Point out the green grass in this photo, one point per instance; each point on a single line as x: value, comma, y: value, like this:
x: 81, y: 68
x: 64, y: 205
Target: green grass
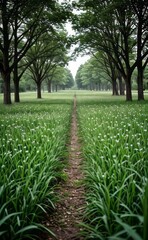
x: 59, y: 97
x: 32, y: 157
x: 66, y: 96
x: 114, y: 135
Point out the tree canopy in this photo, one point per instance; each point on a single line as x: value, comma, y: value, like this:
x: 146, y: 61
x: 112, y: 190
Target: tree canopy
x: 118, y: 29
x: 114, y: 32
x: 22, y: 24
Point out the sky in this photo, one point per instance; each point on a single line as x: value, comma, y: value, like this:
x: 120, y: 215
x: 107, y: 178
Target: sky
x: 75, y: 64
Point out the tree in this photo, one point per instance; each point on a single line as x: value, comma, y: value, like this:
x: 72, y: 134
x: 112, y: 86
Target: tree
x: 140, y: 8
x: 91, y: 76
x: 78, y: 77
x: 27, y: 27
x: 4, y: 65
x: 69, y: 78
x: 22, y: 23
x: 109, y: 26
x: 109, y: 68
x: 9, y: 15
x: 26, y: 83
x: 59, y: 78
x: 48, y: 52
x: 62, y: 78
x: 146, y: 78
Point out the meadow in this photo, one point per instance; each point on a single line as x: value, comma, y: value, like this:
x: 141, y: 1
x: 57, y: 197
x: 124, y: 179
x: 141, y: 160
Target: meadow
x: 113, y: 135
x: 32, y: 156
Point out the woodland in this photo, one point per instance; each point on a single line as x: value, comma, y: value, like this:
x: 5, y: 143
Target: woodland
x: 34, y: 45
x: 73, y: 152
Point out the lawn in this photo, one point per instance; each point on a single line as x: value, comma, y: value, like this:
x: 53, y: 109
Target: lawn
x: 113, y: 136
x: 32, y: 156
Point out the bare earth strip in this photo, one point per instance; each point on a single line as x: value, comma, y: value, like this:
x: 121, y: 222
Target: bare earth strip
x: 64, y: 221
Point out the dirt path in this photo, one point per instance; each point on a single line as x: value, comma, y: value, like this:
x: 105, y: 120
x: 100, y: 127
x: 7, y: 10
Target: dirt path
x: 64, y: 222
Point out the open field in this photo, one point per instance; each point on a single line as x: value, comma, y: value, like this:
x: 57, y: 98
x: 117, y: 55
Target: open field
x: 32, y: 155
x: 68, y: 94
x: 114, y: 139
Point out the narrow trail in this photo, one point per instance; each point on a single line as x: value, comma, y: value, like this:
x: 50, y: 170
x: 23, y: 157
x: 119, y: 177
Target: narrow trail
x: 64, y: 221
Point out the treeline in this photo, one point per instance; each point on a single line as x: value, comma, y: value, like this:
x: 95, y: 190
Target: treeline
x: 33, y: 46
x: 60, y: 79
x: 33, y: 42
x: 115, y: 32
x: 93, y: 75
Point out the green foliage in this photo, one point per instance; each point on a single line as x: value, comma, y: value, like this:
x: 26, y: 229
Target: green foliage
x: 70, y: 80
x: 146, y: 78
x: 114, y: 139
x: 78, y: 78
x: 46, y: 57
x: 23, y: 23
x: 32, y: 146
x: 118, y: 29
x: 26, y: 83
x: 32, y: 149
x: 91, y: 75
x: 62, y: 77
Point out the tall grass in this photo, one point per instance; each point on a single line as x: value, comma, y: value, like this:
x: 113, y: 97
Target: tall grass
x: 32, y: 146
x: 114, y: 137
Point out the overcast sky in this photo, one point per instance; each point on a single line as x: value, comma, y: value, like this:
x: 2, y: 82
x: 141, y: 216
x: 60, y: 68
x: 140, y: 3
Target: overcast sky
x: 74, y: 65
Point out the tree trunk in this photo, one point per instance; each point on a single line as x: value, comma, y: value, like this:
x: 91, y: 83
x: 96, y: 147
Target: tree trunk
x: 96, y: 86
x: 56, y: 87
x: 5, y: 65
x: 16, y: 91
x: 121, y: 86
x: 139, y: 58
x: 128, y: 87
x: 114, y: 80
x: 7, y: 89
x: 99, y: 85
x: 16, y: 81
x: 39, y: 91
x: 15, y: 72
x: 49, y: 86
x: 115, y: 88
x: 140, y: 83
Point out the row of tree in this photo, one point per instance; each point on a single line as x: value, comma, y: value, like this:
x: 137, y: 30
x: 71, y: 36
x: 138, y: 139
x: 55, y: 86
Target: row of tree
x: 60, y: 79
x: 116, y: 33
x: 93, y: 75
x: 33, y: 41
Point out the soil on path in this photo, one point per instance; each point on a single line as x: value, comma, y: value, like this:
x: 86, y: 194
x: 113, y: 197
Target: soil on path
x: 68, y: 214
